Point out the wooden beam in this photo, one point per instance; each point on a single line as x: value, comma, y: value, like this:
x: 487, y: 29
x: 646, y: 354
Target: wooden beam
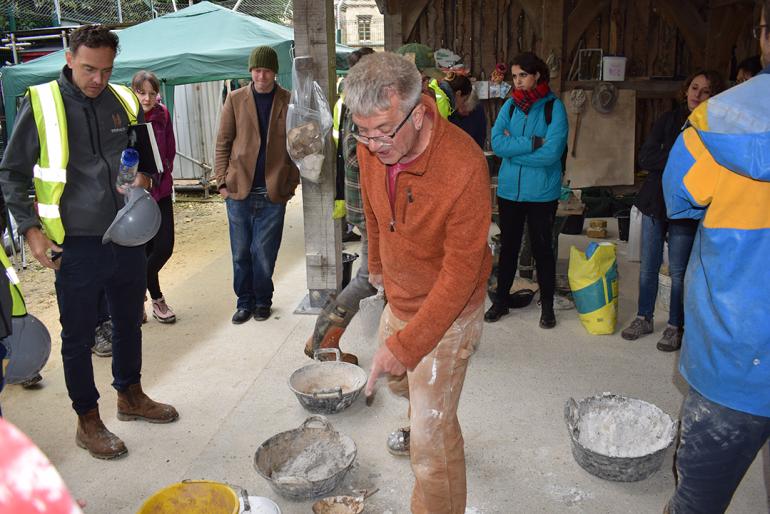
x: 553, y: 16
x: 685, y: 17
x: 535, y: 11
x: 725, y: 25
x: 716, y: 4
x: 410, y: 14
x: 315, y: 53
x: 394, y: 37
x: 579, y: 20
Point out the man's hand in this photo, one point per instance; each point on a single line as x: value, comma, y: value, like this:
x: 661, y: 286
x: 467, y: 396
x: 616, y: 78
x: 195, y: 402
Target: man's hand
x: 223, y: 192
x: 39, y: 245
x: 375, y: 279
x: 384, y: 362
x: 506, y: 133
x: 143, y: 181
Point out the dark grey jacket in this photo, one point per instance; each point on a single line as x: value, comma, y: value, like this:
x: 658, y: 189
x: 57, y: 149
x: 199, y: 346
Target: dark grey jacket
x: 97, y: 133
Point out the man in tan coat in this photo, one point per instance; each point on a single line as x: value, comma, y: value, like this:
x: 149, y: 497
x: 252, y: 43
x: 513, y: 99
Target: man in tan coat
x: 256, y: 178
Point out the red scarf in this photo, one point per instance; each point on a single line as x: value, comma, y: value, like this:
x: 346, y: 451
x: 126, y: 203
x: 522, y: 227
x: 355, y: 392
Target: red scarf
x: 524, y: 99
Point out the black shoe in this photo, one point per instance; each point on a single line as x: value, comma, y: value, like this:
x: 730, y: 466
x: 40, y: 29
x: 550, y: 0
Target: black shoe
x: 349, y: 237
x: 262, y: 312
x: 547, y: 317
x: 241, y: 316
x: 495, y: 312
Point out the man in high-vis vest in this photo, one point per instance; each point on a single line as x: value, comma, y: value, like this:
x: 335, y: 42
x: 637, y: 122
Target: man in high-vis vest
x: 67, y: 141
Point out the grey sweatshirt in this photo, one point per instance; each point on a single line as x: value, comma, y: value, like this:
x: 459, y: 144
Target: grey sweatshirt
x: 97, y: 133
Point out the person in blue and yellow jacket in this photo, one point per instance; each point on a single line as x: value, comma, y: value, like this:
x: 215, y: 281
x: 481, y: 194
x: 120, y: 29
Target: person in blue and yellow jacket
x: 530, y: 135
x: 719, y: 172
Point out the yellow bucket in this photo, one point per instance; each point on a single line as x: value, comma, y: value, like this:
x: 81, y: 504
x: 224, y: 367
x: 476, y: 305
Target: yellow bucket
x: 192, y: 497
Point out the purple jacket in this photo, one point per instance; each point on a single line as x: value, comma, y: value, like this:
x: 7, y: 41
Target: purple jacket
x: 164, y: 135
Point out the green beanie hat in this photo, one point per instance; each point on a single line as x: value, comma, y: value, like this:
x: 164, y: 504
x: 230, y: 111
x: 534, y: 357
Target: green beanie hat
x: 263, y: 57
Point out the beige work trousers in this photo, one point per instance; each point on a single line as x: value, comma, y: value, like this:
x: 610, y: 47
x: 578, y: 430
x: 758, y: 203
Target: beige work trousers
x: 434, y: 387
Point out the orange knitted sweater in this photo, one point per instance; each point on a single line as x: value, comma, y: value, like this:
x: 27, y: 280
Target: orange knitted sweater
x: 431, y: 249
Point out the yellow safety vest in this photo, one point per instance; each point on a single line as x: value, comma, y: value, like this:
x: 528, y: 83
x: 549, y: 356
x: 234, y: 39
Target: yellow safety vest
x: 442, y: 100
x: 337, y: 119
x: 19, y: 307
x: 50, y: 172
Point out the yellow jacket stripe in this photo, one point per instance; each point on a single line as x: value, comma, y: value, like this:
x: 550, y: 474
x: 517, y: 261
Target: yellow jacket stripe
x: 51, y: 122
x: 19, y: 307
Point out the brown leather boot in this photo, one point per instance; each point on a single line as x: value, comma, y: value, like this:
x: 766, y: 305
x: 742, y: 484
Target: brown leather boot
x: 330, y: 340
x: 93, y: 436
x: 134, y: 404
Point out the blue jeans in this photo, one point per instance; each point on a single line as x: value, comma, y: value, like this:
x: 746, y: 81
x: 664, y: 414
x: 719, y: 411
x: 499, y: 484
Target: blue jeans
x: 256, y: 227
x: 716, y: 447
x: 680, y: 237
x: 88, y: 271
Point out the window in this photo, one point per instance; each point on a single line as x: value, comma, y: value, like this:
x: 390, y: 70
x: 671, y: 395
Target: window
x: 364, y: 28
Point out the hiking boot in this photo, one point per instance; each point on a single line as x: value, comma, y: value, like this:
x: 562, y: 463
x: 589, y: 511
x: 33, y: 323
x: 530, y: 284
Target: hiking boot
x: 637, y: 328
x: 134, y: 404
x: 547, y: 317
x: 671, y: 340
x: 93, y: 436
x: 32, y: 382
x: 495, y: 312
x: 398, y: 442
x: 103, y: 339
x: 162, y: 312
x: 262, y: 313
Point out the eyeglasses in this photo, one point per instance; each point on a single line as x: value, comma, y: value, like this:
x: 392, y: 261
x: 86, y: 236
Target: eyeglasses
x: 757, y: 31
x: 382, y: 140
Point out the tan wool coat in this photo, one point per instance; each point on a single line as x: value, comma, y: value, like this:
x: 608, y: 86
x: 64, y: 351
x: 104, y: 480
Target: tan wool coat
x: 238, y: 142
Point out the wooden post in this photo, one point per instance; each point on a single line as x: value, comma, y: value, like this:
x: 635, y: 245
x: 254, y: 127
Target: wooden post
x: 394, y: 36
x: 314, y: 49
x: 554, y: 17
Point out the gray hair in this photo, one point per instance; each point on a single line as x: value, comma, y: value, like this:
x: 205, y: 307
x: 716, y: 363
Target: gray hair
x: 376, y: 77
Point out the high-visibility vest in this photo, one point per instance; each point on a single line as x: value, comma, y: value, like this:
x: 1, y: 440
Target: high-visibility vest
x: 50, y: 172
x: 337, y: 119
x: 442, y: 100
x: 19, y: 307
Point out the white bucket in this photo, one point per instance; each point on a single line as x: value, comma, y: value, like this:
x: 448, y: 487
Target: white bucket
x: 613, y: 68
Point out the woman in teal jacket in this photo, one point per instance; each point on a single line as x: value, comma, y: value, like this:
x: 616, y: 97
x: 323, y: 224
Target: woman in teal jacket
x: 530, y: 135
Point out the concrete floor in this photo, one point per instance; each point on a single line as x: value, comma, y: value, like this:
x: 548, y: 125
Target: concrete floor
x: 229, y: 384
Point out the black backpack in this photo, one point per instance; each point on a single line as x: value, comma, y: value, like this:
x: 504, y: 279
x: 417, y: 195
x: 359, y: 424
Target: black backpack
x: 548, y: 111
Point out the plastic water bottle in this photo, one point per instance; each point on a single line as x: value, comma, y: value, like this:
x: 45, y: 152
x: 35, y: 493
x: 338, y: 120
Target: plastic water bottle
x: 129, y: 162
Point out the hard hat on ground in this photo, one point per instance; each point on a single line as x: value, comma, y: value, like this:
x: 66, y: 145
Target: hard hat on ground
x: 28, y: 349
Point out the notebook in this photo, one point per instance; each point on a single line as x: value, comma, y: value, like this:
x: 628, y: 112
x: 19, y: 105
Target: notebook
x: 142, y: 138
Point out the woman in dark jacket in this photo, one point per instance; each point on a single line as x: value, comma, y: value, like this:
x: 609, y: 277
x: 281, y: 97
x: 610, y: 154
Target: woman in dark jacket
x: 468, y: 114
x: 529, y: 183
x: 656, y: 227
x: 147, y: 87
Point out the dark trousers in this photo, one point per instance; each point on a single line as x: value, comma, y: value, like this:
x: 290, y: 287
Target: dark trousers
x: 160, y: 247
x: 89, y: 268
x: 716, y: 447
x: 256, y: 228
x: 539, y: 217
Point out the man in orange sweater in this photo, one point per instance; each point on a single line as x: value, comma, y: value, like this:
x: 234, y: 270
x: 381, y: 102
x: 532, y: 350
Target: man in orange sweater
x: 425, y: 187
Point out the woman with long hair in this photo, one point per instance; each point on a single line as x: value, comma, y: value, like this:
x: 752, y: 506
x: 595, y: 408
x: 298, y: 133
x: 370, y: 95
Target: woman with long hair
x: 530, y: 135
x: 656, y: 227
x: 147, y: 88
